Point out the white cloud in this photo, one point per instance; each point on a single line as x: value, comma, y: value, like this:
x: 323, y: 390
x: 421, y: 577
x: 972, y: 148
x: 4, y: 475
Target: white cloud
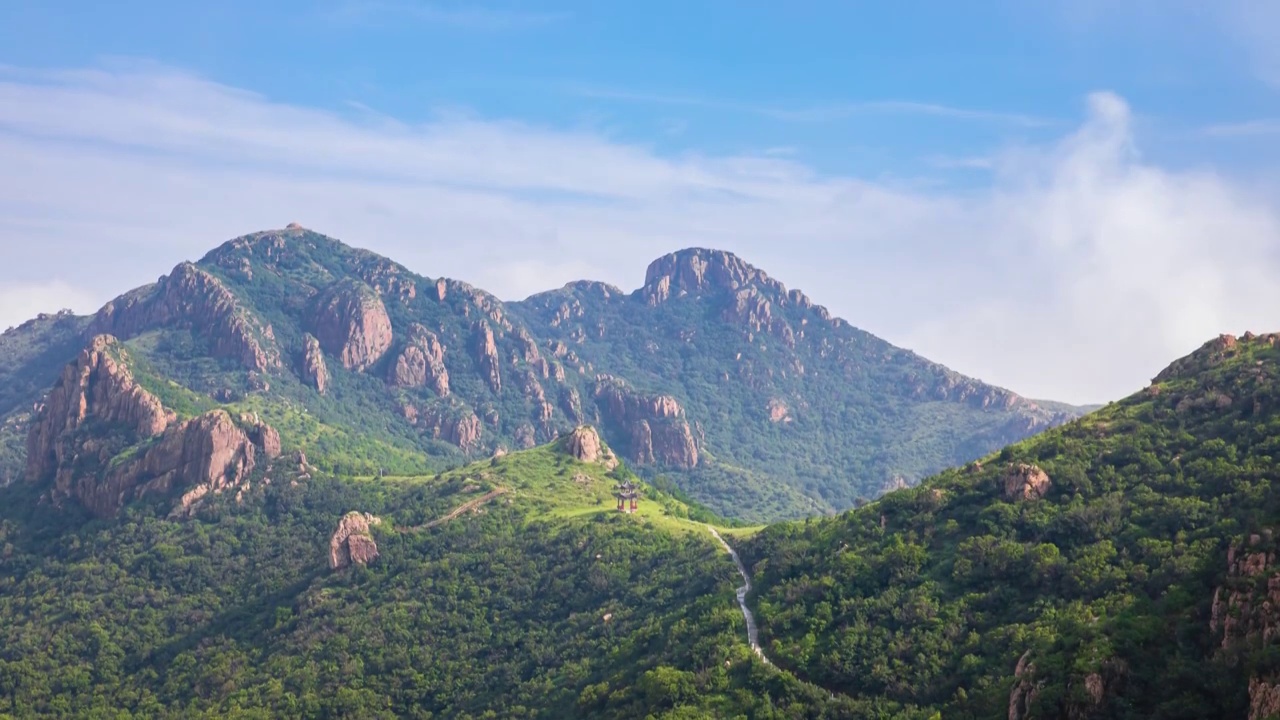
x: 1079, y: 273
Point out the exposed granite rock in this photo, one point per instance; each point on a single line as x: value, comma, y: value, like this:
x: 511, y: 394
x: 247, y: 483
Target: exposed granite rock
x: 193, y: 299
x: 1025, y: 482
x: 421, y: 363
x: 486, y: 355
x: 390, y: 279
x: 96, y: 386
x: 1246, y: 613
x: 139, y: 447
x: 1211, y: 354
x: 571, y: 404
x: 585, y: 445
x: 778, y: 411
x: 655, y: 426
x: 525, y: 436
x: 314, y: 369
x: 1025, y: 690
x: 351, y: 324
x: 699, y: 271
x: 352, y: 542
x: 454, y: 424
x: 1264, y: 699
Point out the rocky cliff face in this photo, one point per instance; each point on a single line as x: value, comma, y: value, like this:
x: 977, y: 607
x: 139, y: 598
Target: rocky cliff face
x: 352, y: 324
x: 352, y: 542
x: 191, y: 298
x: 698, y: 271
x: 135, y: 446
x: 452, y: 423
x: 655, y: 425
x: 314, y: 370
x: 1246, y: 613
x: 421, y: 363
x: 486, y: 355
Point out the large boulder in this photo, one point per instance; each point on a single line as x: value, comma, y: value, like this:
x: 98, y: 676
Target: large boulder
x: 585, y: 445
x: 352, y: 542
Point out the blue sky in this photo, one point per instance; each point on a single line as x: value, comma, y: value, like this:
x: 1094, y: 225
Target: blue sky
x: 1056, y: 196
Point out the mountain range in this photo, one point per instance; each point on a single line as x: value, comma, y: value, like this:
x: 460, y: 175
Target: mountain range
x: 295, y: 480
x: 746, y: 395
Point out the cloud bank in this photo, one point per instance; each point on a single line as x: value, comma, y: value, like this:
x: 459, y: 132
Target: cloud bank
x: 1076, y: 274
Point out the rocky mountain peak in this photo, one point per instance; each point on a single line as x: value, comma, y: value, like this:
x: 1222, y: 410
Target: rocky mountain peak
x: 1214, y: 353
x: 700, y: 271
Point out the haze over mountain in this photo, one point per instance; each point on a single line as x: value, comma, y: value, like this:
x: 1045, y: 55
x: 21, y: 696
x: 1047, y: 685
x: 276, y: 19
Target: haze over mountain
x: 753, y: 399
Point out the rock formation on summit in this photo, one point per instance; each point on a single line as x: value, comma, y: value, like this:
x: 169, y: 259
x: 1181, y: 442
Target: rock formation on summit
x: 351, y: 324
x: 352, y: 542
x: 585, y: 445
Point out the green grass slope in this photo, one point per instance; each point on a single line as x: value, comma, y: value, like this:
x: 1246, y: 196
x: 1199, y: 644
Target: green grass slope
x: 932, y: 595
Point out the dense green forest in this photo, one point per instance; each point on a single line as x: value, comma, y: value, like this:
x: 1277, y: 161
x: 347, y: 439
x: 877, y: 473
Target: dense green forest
x: 1103, y: 579
x: 544, y: 603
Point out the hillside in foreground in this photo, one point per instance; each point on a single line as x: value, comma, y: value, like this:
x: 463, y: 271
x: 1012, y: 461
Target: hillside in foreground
x: 713, y: 375
x: 508, y: 588
x: 1121, y: 566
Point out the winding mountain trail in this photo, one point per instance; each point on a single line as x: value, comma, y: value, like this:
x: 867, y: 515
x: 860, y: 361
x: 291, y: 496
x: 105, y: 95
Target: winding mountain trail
x: 753, y: 634
x: 464, y: 507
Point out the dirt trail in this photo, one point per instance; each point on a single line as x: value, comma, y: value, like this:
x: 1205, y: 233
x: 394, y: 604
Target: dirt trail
x: 753, y: 634
x: 454, y: 513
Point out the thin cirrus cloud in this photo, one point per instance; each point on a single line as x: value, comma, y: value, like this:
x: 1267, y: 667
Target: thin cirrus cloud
x: 819, y: 113
x: 1076, y: 274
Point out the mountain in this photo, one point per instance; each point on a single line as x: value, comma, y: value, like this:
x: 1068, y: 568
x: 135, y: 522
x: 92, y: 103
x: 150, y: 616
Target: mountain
x: 745, y: 394
x: 1121, y: 566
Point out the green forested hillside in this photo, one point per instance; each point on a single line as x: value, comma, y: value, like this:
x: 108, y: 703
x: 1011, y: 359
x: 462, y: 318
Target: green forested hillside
x: 1103, y: 583
x: 543, y: 602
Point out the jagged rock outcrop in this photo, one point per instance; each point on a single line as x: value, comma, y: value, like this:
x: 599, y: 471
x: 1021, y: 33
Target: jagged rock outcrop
x: 99, y: 386
x: 352, y: 324
x: 1025, y: 482
x: 485, y: 349
x: 1024, y: 690
x: 191, y: 298
x: 1211, y: 354
x: 655, y: 426
x: 136, y: 447
x: 352, y: 542
x: 1246, y: 613
x: 421, y: 363
x: 456, y: 425
x: 699, y: 271
x: 584, y: 443
x: 314, y: 369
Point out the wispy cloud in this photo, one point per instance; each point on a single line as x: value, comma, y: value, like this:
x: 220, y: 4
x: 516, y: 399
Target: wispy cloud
x: 821, y: 113
x: 1077, y: 274
x: 469, y: 15
x: 1245, y: 129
